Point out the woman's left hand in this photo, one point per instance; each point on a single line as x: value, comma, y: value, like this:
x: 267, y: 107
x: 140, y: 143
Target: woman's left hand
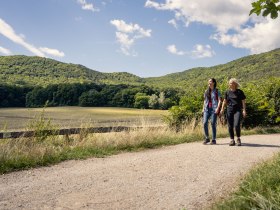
x: 244, y: 113
x: 217, y: 111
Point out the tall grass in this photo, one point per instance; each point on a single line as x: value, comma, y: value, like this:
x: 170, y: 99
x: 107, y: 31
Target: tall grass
x: 260, y: 189
x: 47, y: 148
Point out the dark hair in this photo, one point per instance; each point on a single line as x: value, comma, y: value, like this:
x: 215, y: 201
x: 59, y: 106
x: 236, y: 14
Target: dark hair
x: 208, y: 91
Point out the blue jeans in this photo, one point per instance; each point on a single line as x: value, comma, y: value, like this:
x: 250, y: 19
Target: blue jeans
x: 210, y: 114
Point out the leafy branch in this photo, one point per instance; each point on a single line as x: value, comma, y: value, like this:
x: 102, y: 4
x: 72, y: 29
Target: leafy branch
x: 266, y: 7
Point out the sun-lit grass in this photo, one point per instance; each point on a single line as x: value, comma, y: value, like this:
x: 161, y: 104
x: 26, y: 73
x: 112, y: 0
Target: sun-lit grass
x: 260, y: 189
x: 48, y: 148
x: 71, y: 116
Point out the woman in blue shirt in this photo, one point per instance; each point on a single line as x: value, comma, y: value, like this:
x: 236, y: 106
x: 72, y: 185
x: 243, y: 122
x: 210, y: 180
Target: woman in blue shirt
x: 211, y: 107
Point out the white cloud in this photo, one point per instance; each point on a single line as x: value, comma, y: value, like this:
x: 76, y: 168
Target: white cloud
x: 127, y: 34
x: 87, y: 6
x: 5, y: 51
x: 202, y: 51
x: 173, y: 23
x: 262, y: 37
x: 7, y: 31
x: 199, y: 51
x: 172, y: 49
x: 230, y: 19
x: 52, y: 52
x: 224, y: 15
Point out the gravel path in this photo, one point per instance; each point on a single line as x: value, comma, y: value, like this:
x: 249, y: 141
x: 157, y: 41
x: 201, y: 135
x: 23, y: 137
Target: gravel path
x: 187, y: 176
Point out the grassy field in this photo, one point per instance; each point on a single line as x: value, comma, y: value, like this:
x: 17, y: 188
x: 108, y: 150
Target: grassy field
x: 66, y: 117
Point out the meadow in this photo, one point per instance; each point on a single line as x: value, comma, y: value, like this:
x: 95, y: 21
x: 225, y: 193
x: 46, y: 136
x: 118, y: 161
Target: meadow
x: 12, y: 119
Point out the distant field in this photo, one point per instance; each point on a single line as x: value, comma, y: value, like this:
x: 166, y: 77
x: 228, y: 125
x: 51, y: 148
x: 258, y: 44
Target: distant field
x: 66, y: 117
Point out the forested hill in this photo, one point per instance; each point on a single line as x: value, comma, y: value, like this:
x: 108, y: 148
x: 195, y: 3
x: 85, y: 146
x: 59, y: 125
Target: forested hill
x: 246, y: 69
x: 33, y: 70
x: 27, y: 70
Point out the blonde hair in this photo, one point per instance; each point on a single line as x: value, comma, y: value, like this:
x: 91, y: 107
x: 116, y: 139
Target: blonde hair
x: 234, y: 81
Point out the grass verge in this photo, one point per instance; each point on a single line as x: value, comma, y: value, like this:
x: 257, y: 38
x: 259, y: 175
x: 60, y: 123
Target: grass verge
x: 260, y: 189
x: 48, y: 148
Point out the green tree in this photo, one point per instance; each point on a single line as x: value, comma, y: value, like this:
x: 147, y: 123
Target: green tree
x: 266, y: 7
x: 109, y: 91
x: 153, y: 101
x: 125, y: 97
x: 141, y: 101
x: 37, y: 97
x: 273, y: 98
x: 189, y: 108
x: 256, y: 105
x: 90, y: 98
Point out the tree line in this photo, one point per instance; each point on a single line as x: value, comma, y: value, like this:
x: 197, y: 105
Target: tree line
x: 89, y: 95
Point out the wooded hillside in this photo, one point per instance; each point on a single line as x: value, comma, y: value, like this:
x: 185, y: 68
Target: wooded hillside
x: 33, y: 71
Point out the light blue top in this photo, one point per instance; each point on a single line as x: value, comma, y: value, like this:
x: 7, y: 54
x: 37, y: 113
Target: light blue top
x: 214, y: 99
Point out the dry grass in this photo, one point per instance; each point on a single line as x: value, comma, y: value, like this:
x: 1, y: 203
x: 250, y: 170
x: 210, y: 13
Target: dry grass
x: 66, y: 117
x: 45, y: 149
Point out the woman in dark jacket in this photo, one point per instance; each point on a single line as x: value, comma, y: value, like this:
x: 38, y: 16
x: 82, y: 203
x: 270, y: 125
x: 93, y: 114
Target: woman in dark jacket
x: 236, y: 108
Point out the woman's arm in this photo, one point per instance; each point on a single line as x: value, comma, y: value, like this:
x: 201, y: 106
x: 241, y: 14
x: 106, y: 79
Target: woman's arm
x: 203, y: 107
x: 223, y: 105
x: 244, y: 108
x: 217, y: 111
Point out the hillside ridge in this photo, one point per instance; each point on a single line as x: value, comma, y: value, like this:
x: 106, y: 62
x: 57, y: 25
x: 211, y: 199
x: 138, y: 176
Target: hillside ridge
x: 34, y: 70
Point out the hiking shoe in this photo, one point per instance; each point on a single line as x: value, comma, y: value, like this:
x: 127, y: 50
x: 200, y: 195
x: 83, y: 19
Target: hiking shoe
x: 232, y: 142
x: 238, y: 142
x: 213, y: 142
x: 206, y: 141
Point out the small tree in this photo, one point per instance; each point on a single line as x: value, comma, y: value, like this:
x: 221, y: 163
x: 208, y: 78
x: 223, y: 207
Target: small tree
x: 153, y: 101
x: 189, y: 109
x: 162, y: 100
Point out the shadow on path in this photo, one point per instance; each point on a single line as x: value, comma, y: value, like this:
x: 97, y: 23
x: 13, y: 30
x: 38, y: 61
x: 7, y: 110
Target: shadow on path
x: 259, y: 145
x: 250, y: 145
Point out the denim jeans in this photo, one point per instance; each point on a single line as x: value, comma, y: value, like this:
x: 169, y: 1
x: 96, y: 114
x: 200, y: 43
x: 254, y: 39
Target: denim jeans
x: 210, y: 114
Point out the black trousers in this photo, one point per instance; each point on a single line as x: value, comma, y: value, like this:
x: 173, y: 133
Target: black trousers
x: 234, y: 121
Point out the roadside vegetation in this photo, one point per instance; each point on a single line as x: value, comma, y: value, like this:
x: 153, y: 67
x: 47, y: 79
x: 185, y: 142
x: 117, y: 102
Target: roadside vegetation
x: 260, y: 189
x: 48, y: 148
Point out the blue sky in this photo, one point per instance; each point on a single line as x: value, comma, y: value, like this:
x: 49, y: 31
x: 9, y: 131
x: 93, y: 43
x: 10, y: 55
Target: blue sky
x: 144, y: 37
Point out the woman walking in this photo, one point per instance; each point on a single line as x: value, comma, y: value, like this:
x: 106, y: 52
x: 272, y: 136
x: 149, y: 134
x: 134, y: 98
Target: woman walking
x: 211, y: 107
x: 236, y: 108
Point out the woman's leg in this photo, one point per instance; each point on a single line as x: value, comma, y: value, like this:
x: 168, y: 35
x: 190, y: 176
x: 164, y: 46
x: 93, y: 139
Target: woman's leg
x: 237, y: 120
x: 230, y: 120
x: 206, y: 116
x: 214, y: 125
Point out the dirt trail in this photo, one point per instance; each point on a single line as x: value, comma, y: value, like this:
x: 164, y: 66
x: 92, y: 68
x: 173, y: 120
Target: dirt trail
x: 187, y: 176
